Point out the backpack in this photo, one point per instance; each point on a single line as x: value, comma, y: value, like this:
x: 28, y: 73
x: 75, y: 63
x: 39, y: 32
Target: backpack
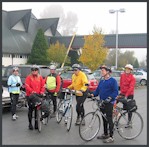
x: 51, y: 82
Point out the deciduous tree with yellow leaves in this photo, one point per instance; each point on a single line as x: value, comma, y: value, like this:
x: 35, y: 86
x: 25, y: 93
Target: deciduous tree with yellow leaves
x: 93, y: 52
x: 57, y: 52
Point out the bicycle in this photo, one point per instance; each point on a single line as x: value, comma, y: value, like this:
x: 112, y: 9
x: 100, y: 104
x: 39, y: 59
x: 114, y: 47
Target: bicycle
x: 23, y: 102
x: 120, y: 119
x: 39, y: 113
x: 65, y: 109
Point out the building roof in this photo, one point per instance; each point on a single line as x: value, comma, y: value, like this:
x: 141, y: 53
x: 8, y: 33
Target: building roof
x: 124, y: 40
x: 20, y: 42
x: 52, y: 23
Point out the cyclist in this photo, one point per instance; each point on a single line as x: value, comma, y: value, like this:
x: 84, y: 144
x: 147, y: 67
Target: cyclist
x: 34, y: 83
x: 79, y: 83
x: 127, y: 85
x: 14, y: 83
x: 107, y: 90
x: 53, y: 83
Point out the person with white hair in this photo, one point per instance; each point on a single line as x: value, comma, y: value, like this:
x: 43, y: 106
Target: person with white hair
x: 14, y: 83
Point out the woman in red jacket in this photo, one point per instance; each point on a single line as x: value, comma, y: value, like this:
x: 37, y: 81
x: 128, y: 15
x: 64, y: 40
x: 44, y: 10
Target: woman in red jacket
x: 34, y: 83
x: 127, y: 85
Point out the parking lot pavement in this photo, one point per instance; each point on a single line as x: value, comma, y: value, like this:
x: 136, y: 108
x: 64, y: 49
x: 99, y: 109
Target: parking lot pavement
x: 17, y: 133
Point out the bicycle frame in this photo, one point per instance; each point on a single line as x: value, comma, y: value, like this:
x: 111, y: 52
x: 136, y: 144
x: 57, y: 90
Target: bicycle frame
x: 67, y: 102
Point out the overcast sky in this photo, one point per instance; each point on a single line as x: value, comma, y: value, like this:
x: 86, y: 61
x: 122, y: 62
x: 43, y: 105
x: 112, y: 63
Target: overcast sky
x: 91, y: 14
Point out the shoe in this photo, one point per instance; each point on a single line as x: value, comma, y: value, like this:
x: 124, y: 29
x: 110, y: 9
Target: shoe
x: 30, y: 126
x: 65, y: 120
x: 103, y: 136
x: 36, y: 125
x: 44, y: 121
x: 53, y: 114
x: 78, y: 121
x: 14, y: 117
x: 83, y: 122
x: 128, y: 125
x: 108, y: 140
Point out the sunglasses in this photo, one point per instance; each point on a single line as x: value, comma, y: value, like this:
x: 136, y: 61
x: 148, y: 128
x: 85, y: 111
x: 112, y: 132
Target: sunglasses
x: 74, y: 69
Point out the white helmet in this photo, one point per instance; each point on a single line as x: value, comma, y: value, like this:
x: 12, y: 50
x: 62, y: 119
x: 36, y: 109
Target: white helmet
x: 15, y: 68
x: 129, y: 66
x: 52, y: 67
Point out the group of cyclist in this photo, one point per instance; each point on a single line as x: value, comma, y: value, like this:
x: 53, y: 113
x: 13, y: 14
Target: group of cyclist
x: 107, y: 90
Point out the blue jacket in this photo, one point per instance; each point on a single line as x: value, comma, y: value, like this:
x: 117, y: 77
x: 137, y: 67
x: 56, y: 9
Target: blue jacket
x: 107, y: 88
x: 12, y: 81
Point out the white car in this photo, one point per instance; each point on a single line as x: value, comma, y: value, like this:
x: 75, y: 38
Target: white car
x: 141, y: 77
x: 6, y: 101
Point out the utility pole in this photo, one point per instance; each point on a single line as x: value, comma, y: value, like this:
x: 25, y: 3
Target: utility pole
x: 68, y: 50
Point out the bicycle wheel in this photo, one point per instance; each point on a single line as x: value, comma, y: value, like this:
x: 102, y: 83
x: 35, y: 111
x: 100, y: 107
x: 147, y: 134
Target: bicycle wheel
x: 91, y: 128
x: 69, y: 115
x: 130, y: 129
x: 59, y: 113
x: 39, y: 120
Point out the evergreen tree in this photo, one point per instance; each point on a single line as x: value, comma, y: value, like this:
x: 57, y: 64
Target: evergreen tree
x: 39, y: 49
x: 136, y: 64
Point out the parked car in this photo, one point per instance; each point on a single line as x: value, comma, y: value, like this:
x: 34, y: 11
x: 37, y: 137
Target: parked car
x: 115, y: 74
x: 67, y: 80
x: 24, y: 70
x: 141, y: 77
x: 6, y: 101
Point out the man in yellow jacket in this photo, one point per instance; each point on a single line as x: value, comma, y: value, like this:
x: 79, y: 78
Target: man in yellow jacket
x: 80, y: 85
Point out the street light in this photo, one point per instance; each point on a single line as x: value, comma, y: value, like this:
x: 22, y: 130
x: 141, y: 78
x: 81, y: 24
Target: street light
x: 113, y: 11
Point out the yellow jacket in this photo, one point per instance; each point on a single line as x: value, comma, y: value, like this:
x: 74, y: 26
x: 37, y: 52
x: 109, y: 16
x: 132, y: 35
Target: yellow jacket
x: 79, y: 81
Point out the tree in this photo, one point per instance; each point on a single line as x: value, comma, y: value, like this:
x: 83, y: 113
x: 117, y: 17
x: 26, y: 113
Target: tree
x: 93, y: 52
x: 39, y: 49
x: 124, y: 58
x: 57, y: 52
x: 67, y: 22
x: 136, y: 64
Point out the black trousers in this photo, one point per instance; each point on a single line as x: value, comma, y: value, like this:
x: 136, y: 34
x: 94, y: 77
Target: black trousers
x: 130, y: 113
x: 80, y: 104
x: 108, y: 111
x: 31, y: 103
x: 54, y: 100
x: 14, y: 100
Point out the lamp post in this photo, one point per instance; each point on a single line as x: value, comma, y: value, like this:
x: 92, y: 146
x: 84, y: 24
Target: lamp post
x: 116, y: 11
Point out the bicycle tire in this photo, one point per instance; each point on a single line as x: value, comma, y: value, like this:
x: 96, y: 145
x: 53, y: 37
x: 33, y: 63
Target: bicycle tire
x: 134, y: 129
x: 69, y: 117
x: 59, y: 113
x: 39, y: 120
x: 91, y: 120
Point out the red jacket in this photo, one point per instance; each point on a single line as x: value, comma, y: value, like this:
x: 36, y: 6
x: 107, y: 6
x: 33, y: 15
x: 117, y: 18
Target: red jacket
x: 127, y: 84
x: 58, y: 84
x: 34, y: 83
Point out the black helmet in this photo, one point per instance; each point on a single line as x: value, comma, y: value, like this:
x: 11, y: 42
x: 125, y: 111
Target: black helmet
x: 76, y: 66
x: 106, y: 68
x: 34, y: 67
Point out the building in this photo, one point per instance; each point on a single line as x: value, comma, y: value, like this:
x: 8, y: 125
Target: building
x: 19, y: 29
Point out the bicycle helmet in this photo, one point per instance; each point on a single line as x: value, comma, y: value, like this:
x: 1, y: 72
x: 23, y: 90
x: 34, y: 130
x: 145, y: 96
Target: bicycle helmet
x: 34, y: 67
x: 15, y: 68
x: 106, y: 68
x: 52, y: 67
x: 129, y: 66
x: 76, y: 66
